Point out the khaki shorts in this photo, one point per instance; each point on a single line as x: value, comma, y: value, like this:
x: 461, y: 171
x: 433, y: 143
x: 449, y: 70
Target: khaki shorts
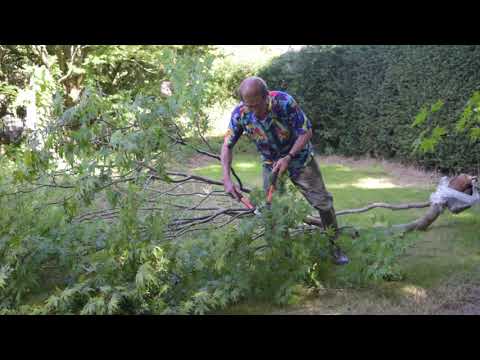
x: 309, y: 182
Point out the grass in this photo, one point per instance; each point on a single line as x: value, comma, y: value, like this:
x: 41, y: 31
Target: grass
x: 448, y: 250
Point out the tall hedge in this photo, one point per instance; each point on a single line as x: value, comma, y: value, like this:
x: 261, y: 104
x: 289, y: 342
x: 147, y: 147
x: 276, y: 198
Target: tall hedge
x: 362, y: 99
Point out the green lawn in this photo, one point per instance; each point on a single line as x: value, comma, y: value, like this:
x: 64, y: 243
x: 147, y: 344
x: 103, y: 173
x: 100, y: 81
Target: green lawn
x: 451, y: 246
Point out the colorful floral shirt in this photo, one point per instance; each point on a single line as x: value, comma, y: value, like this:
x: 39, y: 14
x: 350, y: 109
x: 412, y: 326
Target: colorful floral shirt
x: 275, y: 135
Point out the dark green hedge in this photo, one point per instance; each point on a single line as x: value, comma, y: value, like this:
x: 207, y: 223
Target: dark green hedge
x: 362, y: 99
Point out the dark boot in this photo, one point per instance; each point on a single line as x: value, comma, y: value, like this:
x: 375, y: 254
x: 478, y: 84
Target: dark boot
x: 329, y: 220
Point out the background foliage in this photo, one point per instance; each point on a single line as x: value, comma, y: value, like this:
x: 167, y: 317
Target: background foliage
x: 363, y: 100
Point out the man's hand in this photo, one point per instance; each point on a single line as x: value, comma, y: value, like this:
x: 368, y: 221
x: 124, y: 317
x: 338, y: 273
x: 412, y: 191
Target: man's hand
x: 231, y: 189
x: 281, y: 165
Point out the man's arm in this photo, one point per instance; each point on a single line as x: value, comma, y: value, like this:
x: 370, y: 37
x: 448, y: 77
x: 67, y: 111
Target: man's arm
x: 282, y: 164
x: 234, y: 131
x: 226, y: 157
x: 302, y: 126
x: 302, y: 140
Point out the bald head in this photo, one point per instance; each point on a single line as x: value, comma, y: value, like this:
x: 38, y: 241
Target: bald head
x: 254, y: 94
x: 253, y: 87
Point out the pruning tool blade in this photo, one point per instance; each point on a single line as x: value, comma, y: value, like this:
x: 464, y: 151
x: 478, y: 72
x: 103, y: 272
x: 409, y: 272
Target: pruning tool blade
x: 271, y: 189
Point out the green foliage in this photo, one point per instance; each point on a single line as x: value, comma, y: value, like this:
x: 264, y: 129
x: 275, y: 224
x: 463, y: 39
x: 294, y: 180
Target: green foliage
x: 228, y: 76
x: 87, y: 150
x: 129, y: 271
x: 362, y: 99
x: 421, y: 117
x: 470, y: 118
x: 4, y: 274
x: 8, y: 90
x: 375, y: 257
x: 426, y: 144
x: 104, y: 127
x: 437, y: 106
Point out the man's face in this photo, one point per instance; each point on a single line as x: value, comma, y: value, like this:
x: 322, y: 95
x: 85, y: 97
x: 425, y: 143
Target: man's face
x: 256, y: 104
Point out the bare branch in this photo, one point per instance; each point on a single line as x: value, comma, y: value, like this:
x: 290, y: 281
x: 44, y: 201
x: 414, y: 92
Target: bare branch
x: 55, y: 186
x: 203, y: 138
x: 195, y: 193
x: 70, y: 65
x: 163, y: 192
x: 21, y: 192
x: 243, y: 213
x: 192, y: 177
x: 181, y: 141
x: 41, y: 52
x: 200, y: 220
x: 384, y: 205
x: 58, y: 202
x: 197, y: 209
x: 201, y: 201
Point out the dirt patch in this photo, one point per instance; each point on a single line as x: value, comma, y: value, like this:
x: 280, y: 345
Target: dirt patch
x: 458, y: 299
x: 402, y: 175
x: 453, y: 297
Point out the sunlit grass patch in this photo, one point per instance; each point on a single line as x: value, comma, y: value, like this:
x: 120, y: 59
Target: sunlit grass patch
x: 373, y: 183
x: 415, y: 291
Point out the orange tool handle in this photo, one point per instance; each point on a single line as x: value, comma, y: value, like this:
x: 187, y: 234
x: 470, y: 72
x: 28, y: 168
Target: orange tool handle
x: 245, y: 201
x: 270, y: 191
x: 271, y: 188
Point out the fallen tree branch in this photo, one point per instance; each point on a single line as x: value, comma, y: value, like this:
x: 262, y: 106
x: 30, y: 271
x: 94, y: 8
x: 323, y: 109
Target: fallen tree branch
x: 182, y: 225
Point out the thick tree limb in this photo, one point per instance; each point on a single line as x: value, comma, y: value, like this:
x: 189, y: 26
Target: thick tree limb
x: 425, y: 221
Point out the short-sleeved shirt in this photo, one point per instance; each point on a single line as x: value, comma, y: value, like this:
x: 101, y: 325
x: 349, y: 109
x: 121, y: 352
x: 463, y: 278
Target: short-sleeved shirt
x: 275, y: 135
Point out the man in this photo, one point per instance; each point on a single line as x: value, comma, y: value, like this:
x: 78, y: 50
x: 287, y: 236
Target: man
x: 281, y: 133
